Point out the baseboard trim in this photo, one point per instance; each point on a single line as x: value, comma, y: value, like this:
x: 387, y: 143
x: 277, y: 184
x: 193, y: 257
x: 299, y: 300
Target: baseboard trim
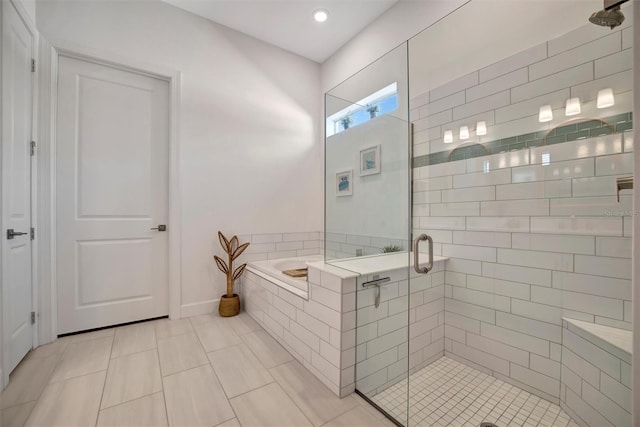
x: 198, y: 308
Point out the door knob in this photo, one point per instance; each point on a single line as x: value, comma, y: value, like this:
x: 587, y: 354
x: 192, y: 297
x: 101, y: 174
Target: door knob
x: 161, y: 227
x: 11, y: 234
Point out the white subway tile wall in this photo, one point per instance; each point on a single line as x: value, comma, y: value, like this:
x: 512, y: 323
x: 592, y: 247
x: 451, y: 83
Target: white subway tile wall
x: 507, y: 95
x: 595, y: 377
x: 407, y: 329
x: 319, y: 332
x: 537, y: 233
x: 281, y: 245
x: 520, y: 264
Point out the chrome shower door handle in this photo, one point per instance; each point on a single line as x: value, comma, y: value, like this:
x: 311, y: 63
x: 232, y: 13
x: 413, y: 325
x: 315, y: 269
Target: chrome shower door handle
x: 416, y: 254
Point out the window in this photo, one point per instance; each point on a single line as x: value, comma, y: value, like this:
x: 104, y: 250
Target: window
x: 379, y: 103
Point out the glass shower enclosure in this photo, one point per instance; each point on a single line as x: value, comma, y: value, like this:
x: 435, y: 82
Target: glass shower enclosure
x: 368, y: 218
x: 511, y: 148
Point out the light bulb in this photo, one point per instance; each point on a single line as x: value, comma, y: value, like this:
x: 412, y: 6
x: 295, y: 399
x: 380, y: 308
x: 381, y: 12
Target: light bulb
x: 605, y: 98
x: 572, y: 107
x: 448, y: 136
x: 464, y: 132
x: 320, y: 15
x: 546, y: 114
x: 481, y: 128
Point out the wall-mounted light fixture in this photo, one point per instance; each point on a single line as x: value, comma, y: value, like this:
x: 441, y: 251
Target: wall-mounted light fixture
x: 448, y: 136
x: 545, y: 114
x: 605, y: 98
x: 464, y: 132
x: 481, y: 128
x: 572, y: 107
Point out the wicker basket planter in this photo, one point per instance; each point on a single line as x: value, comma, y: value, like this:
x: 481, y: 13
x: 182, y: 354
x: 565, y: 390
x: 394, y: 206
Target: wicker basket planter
x: 230, y: 303
x: 229, y: 306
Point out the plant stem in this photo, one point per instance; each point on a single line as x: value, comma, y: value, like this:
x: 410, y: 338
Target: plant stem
x: 230, y: 276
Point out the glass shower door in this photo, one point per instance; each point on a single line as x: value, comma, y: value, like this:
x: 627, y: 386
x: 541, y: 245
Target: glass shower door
x: 523, y: 157
x: 367, y: 222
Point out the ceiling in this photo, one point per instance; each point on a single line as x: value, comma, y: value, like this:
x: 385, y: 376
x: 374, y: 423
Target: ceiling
x: 289, y: 24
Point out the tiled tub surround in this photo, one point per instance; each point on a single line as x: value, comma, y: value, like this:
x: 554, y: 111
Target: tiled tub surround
x: 596, y: 374
x: 321, y: 331
x: 529, y: 242
x: 507, y: 95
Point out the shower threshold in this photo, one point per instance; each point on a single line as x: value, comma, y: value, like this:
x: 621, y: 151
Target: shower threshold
x: 450, y: 393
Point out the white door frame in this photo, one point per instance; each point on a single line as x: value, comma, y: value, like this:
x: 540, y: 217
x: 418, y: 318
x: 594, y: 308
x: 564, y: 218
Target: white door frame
x: 4, y: 371
x: 50, y: 54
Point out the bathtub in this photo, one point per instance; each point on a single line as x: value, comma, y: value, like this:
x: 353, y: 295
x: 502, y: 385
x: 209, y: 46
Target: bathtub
x: 271, y: 270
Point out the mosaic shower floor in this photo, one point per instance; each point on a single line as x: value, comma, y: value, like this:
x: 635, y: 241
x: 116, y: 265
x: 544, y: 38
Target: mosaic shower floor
x: 449, y: 393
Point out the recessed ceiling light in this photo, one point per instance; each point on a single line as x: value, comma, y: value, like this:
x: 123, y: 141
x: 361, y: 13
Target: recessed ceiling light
x: 320, y: 15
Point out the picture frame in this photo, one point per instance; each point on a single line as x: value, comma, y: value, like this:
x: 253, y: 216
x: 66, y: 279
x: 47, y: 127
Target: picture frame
x: 370, y: 161
x: 344, y: 183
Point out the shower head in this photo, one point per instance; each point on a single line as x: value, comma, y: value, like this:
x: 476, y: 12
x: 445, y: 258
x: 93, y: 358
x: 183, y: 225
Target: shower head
x: 608, y: 18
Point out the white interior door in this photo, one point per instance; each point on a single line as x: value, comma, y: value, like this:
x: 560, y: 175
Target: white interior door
x: 112, y: 149
x: 17, y: 48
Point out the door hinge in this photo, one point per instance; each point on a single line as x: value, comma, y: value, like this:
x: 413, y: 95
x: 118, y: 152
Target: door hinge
x: 33, y: 65
x: 33, y: 148
x: 33, y: 233
x: 33, y: 317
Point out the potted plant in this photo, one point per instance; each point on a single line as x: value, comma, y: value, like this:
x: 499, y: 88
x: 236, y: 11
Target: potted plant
x: 373, y: 110
x: 230, y: 302
x: 346, y: 121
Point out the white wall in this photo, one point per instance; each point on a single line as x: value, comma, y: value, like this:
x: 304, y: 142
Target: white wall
x: 386, y: 70
x: 251, y: 158
x: 402, y: 21
x: 379, y: 206
x: 458, y: 44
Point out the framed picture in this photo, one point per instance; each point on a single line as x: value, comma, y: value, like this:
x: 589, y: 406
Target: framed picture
x: 344, y: 183
x: 370, y: 161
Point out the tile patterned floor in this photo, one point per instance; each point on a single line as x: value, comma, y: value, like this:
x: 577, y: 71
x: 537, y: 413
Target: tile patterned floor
x: 202, y: 371
x: 449, y: 393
